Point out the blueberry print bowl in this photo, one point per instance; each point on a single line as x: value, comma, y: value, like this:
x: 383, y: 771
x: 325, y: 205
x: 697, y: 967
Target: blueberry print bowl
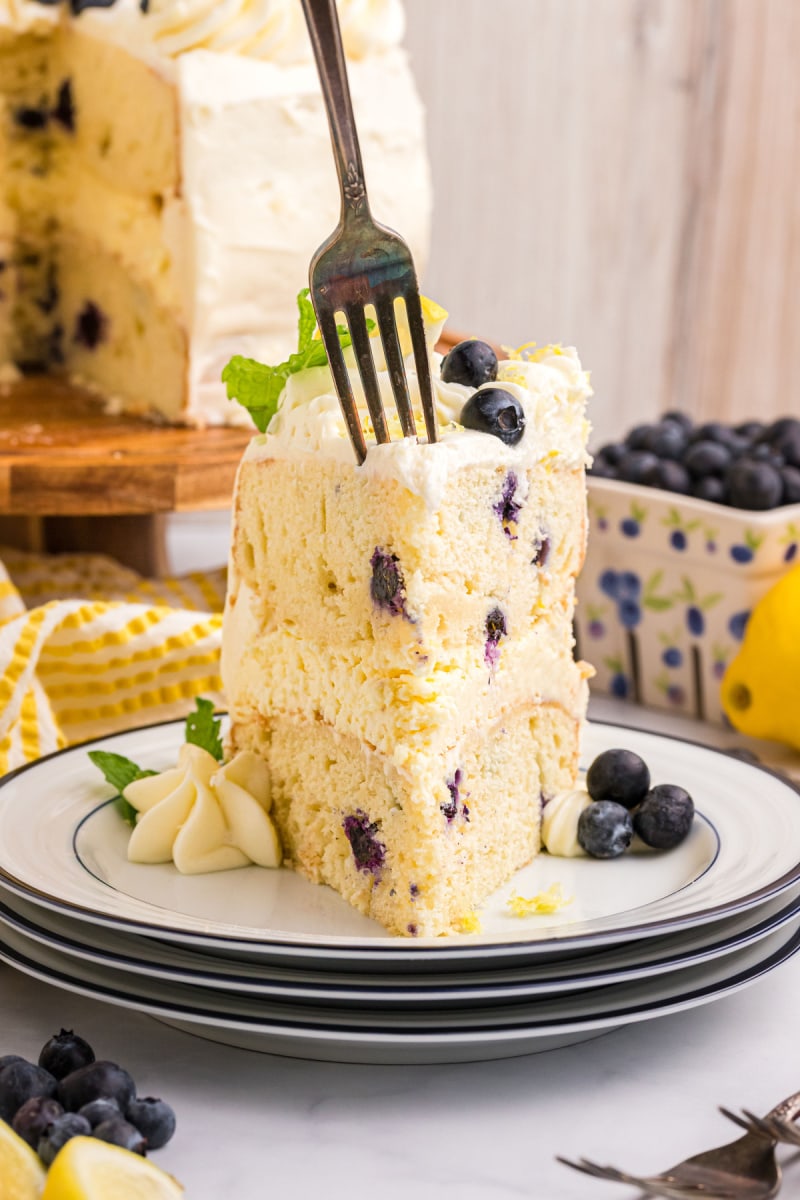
x: 666, y: 590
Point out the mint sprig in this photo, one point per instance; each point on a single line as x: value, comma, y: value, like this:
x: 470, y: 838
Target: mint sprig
x: 203, y: 728
x: 258, y: 387
x: 119, y: 772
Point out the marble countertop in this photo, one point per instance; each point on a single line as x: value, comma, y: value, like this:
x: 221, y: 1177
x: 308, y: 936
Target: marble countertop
x: 253, y: 1125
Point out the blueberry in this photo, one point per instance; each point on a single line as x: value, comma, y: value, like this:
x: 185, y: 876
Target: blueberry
x: 619, y: 685
x: 754, y: 485
x: 630, y: 614
x: 668, y: 475
x: 31, y: 118
x: 737, y: 625
x: 750, y: 429
x: 64, y: 110
x: 154, y: 1119
x: 667, y: 440
x: 97, y: 1111
x: 7, y: 1059
x: 120, y: 1132
x: 387, y: 586
x: 678, y: 418
x: 494, y: 410
x: 91, y: 326
x: 781, y: 427
x: 471, y: 363
x: 672, y: 657
x: 710, y: 431
x: 707, y: 458
x: 21, y: 1081
x: 791, y: 485
x: 495, y: 630
x: 787, y: 444
x: 59, y: 1132
x: 664, y: 817
x: 612, y: 452
x: 762, y: 452
x: 507, y: 507
x: 695, y: 621
x: 99, y: 1080
x: 618, y: 775
x: 634, y: 466
x: 450, y: 807
x: 541, y: 550
x: 629, y: 585
x: 64, y: 1053
x: 368, y: 852
x: 33, y: 1117
x: 639, y: 436
x: 601, y: 468
x: 78, y: 6
x: 605, y: 829
x: 609, y: 584
x: 710, y: 487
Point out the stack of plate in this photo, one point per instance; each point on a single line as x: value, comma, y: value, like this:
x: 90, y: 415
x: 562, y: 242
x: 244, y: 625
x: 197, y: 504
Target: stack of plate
x: 263, y: 959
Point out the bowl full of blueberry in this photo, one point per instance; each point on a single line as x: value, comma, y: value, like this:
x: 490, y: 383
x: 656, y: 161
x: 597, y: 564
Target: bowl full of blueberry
x: 689, y: 526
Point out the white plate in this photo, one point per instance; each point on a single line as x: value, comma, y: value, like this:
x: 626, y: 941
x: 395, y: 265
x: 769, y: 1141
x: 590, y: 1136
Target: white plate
x: 493, y: 1033
x: 641, y: 960
x: 63, y: 848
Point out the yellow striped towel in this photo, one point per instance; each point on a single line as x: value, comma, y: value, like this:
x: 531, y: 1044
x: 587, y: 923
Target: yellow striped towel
x: 88, y: 647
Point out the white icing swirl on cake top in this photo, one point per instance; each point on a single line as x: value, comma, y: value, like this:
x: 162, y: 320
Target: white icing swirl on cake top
x: 560, y: 823
x: 552, y: 390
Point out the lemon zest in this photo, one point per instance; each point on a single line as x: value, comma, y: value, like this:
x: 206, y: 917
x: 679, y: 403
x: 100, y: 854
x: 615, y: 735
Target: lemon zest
x: 468, y: 923
x: 542, y: 903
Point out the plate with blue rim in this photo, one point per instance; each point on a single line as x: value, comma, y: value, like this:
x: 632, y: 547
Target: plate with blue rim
x: 63, y: 849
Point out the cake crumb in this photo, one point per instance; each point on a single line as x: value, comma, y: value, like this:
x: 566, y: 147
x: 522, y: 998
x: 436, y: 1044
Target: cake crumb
x: 543, y: 902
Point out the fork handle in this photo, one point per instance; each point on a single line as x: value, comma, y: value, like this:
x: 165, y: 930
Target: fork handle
x: 326, y: 41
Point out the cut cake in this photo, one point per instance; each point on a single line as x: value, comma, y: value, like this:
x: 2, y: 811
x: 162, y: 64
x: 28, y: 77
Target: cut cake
x: 398, y: 640
x: 165, y: 175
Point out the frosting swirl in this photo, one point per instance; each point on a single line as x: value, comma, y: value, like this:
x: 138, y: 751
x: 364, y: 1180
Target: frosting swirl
x: 560, y: 823
x: 270, y: 29
x: 204, y: 816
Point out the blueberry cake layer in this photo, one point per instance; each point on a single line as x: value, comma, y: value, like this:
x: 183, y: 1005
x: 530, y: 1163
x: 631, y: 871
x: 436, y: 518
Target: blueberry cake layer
x: 416, y: 850
x: 398, y: 638
x: 167, y: 172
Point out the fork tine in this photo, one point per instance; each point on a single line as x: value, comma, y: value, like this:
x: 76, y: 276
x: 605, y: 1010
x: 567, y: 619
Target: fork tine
x: 420, y: 346
x: 761, y: 1126
x: 330, y: 337
x: 652, y: 1185
x: 357, y: 324
x: 384, y: 308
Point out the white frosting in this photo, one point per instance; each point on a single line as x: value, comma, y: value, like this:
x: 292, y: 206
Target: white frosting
x: 274, y: 30
x: 560, y: 823
x: 204, y: 816
x: 27, y: 16
x: 552, y: 393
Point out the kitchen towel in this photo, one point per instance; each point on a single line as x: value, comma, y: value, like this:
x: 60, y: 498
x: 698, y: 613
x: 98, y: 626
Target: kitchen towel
x: 88, y: 647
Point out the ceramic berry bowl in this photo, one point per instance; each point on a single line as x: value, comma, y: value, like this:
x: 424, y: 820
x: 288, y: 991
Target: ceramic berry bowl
x: 667, y: 588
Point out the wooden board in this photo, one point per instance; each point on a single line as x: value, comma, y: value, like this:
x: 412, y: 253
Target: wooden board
x: 62, y: 455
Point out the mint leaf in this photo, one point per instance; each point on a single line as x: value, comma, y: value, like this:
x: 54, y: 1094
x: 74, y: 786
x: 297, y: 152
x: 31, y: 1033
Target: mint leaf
x: 307, y: 321
x: 258, y: 387
x: 119, y: 772
x: 202, y: 728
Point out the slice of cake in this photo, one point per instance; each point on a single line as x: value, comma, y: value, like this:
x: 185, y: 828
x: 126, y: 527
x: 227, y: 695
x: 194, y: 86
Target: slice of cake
x: 166, y: 173
x: 398, y: 640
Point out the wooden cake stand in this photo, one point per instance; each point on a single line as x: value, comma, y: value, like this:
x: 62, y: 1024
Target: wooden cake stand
x: 74, y: 478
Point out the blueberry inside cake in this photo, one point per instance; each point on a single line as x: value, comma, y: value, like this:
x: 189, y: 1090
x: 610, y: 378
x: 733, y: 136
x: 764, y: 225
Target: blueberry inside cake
x: 398, y: 635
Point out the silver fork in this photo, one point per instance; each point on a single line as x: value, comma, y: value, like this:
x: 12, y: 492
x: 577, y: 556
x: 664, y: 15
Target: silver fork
x: 742, y: 1170
x: 362, y: 263
x: 778, y: 1127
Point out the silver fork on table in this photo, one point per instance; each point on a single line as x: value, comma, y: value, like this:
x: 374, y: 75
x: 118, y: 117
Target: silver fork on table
x: 362, y: 263
x: 742, y: 1170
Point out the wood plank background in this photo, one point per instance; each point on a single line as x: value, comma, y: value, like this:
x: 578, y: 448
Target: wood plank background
x: 622, y: 175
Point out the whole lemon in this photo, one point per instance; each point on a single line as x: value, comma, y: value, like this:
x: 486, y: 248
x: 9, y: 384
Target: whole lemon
x: 761, y: 687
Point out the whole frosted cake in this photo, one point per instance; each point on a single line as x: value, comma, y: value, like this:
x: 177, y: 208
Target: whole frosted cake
x: 165, y: 171
x: 398, y: 636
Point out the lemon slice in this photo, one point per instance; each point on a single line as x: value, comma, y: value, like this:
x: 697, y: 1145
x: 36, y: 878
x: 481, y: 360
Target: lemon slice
x: 21, y: 1170
x: 88, y: 1169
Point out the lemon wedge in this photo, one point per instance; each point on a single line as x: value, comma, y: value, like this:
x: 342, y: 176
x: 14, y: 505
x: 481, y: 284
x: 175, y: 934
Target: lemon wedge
x: 88, y: 1169
x: 21, y: 1170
